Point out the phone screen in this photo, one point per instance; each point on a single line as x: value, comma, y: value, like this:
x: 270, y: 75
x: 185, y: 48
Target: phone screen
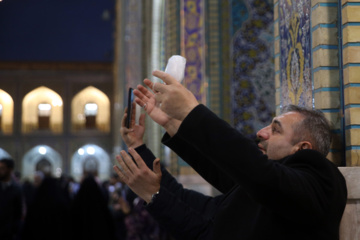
x: 129, y: 107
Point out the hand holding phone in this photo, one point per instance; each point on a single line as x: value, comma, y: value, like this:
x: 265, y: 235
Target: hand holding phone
x: 129, y: 107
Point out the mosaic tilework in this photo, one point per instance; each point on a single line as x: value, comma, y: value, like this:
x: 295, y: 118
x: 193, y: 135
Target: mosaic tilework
x: 295, y: 51
x: 253, y: 72
x: 193, y: 38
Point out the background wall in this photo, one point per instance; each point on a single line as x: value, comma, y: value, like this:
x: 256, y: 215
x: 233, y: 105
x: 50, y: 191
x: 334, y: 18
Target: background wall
x: 64, y: 46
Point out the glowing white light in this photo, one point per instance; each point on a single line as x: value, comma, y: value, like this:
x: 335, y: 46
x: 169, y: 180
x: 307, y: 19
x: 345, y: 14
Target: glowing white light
x: 42, y: 150
x: 58, y: 172
x: 1, y: 107
x: 57, y: 102
x: 90, y: 150
x: 91, y: 106
x: 44, y: 110
x: 91, y: 109
x: 81, y: 151
x: 44, y: 107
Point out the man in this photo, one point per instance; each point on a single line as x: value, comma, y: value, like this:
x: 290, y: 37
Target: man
x: 282, y: 188
x: 10, y: 201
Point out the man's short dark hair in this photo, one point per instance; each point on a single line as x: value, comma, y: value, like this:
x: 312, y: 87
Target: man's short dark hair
x: 8, y: 162
x: 314, y: 128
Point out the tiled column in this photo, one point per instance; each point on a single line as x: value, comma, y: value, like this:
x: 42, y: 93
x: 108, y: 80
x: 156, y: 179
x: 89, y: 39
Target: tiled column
x: 153, y: 50
x: 119, y: 70
x: 134, y: 60
x: 277, y: 56
x: 172, y: 47
x: 325, y: 70
x: 172, y: 29
x: 226, y: 66
x: 351, y: 65
x: 193, y: 47
x: 214, y: 54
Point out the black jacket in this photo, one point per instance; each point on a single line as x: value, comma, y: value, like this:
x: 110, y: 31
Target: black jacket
x: 302, y: 196
x: 10, y: 210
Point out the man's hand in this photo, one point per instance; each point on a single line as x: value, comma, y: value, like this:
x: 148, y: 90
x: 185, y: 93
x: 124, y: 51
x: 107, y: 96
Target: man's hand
x: 174, y: 99
x: 139, y: 177
x: 146, y: 98
x: 133, y: 136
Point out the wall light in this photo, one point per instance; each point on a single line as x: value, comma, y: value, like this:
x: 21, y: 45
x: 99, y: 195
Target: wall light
x: 81, y: 151
x: 42, y: 150
x: 44, y: 109
x: 58, y: 172
x: 91, y: 109
x: 90, y: 150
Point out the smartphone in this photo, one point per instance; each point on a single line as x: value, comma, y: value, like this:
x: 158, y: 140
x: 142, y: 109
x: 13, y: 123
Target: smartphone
x: 129, y: 107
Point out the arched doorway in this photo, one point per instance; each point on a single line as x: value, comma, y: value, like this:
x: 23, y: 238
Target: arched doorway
x: 90, y: 108
x: 91, y: 166
x: 44, y: 166
x: 41, y: 158
x: 4, y: 154
x: 42, y: 109
x: 90, y: 158
x: 90, y: 112
x: 6, y: 113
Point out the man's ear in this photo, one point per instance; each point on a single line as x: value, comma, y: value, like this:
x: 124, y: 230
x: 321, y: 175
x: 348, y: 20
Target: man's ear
x: 304, y: 145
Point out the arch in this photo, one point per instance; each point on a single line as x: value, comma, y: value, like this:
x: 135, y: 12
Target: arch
x: 4, y: 154
x: 93, y: 152
x: 37, y: 154
x: 44, y: 166
x: 90, y: 95
x: 91, y: 165
x: 7, y: 115
x: 31, y: 101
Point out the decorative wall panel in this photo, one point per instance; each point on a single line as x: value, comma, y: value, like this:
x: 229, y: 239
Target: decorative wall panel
x: 295, y: 51
x: 253, y: 88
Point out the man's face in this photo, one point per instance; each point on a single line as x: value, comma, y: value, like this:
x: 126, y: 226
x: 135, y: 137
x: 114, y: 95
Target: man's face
x: 276, y: 139
x: 4, y: 172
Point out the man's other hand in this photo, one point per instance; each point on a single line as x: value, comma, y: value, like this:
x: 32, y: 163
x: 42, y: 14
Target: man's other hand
x: 137, y: 175
x: 174, y: 99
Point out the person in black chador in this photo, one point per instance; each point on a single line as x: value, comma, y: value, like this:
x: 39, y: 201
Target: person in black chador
x: 47, y: 216
x: 90, y: 215
x: 281, y: 188
x: 10, y: 201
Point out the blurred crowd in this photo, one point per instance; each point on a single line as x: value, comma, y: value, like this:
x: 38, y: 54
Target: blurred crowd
x: 62, y: 208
